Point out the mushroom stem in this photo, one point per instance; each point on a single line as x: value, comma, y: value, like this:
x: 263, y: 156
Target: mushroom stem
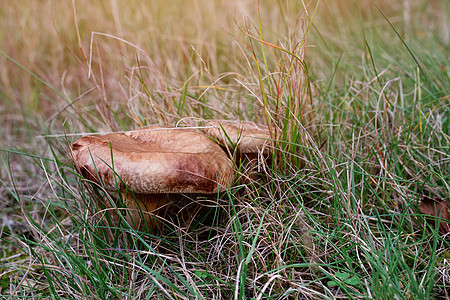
x: 142, y: 209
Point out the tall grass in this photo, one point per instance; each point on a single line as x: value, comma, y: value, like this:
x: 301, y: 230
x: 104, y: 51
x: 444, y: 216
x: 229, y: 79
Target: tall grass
x: 355, y: 93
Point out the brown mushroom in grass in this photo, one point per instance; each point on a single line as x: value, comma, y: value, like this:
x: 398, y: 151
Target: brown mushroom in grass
x: 153, y: 162
x: 250, y: 139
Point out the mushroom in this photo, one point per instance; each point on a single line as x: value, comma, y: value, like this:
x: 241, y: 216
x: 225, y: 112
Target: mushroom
x: 153, y: 162
x: 250, y: 139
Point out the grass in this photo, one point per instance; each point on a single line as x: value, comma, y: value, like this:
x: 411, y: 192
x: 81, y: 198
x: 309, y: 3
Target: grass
x: 360, y: 109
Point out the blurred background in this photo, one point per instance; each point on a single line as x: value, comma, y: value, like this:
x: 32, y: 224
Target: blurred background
x: 64, y: 44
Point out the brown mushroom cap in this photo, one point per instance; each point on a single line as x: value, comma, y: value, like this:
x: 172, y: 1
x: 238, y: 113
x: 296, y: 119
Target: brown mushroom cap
x: 155, y: 160
x: 248, y: 136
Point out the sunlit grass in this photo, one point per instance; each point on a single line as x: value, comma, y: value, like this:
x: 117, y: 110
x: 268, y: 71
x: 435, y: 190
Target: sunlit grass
x: 359, y: 107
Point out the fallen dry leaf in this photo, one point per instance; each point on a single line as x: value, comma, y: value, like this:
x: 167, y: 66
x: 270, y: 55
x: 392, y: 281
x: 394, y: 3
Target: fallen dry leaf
x: 435, y: 208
